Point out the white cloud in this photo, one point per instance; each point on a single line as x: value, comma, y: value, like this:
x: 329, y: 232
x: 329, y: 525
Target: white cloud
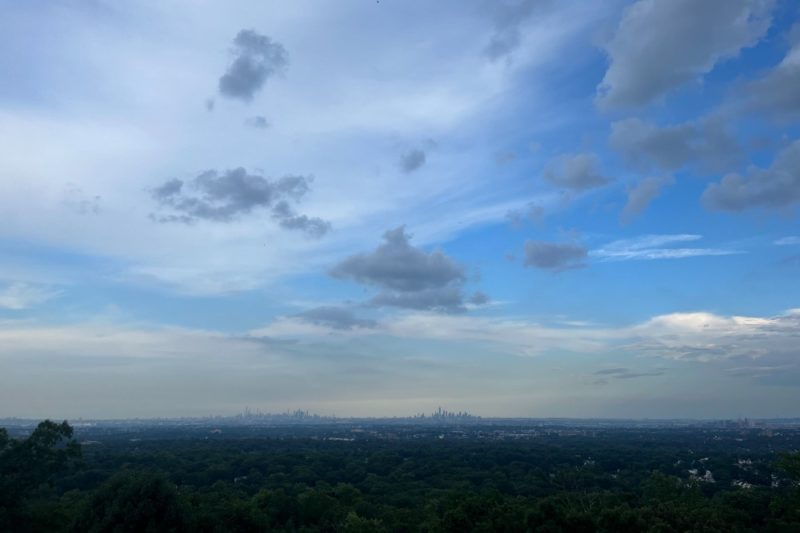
x: 787, y: 241
x: 19, y: 296
x: 653, y: 247
x: 697, y: 336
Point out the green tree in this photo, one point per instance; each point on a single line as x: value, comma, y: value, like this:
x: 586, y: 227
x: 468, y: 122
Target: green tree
x: 26, y: 465
x: 140, y: 502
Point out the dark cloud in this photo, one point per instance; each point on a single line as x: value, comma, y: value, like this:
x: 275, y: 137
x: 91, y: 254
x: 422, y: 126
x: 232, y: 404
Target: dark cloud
x: 412, y: 160
x: 508, y: 17
x: 683, y: 40
x: 634, y: 375
x: 210, y: 105
x: 407, y: 277
x: 707, y: 145
x: 641, y: 194
x: 441, y: 299
x: 397, y: 265
x: 778, y: 92
x: 625, y: 373
x: 288, y: 219
x: 576, y: 172
x: 258, y: 122
x: 335, y: 317
x: 776, y: 187
x: 257, y: 58
x: 225, y: 197
x: 479, y: 298
x: 532, y: 212
x: 554, y: 256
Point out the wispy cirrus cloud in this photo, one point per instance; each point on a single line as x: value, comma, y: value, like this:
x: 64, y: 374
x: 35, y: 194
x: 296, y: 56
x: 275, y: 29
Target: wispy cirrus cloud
x: 651, y: 247
x: 787, y: 241
x: 19, y: 296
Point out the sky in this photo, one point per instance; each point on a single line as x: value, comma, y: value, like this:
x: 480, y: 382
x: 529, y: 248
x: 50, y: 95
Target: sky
x: 528, y: 208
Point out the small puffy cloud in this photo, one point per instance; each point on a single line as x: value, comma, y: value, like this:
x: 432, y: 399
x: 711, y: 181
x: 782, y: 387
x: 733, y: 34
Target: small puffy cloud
x: 776, y: 187
x: 651, y: 247
x: 256, y: 59
x: 778, y: 92
x: 554, y: 256
x: 412, y: 160
x: 283, y: 213
x: 258, y: 122
x: 407, y: 277
x: 397, y: 265
x: 532, y: 212
x: 641, y: 194
x: 661, y: 44
x: 335, y: 317
x: 479, y: 298
x: 227, y: 196
x: 508, y: 17
x: 19, y: 296
x: 575, y: 172
x: 705, y: 144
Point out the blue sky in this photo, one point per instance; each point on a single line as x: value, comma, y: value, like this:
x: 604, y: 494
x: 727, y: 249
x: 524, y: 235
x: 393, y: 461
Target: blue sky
x: 521, y: 208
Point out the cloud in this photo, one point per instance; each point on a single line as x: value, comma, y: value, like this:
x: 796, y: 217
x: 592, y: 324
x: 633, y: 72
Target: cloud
x: 650, y: 247
x: 258, y: 122
x: 412, y: 160
x: 19, y: 296
x: 641, y: 194
x: 625, y: 373
x: 256, y: 59
x: 575, y: 172
x: 554, y: 256
x: 508, y: 17
x: 706, y: 337
x: 706, y: 144
x: 661, y: 44
x: 610, y: 371
x: 479, y: 298
x: 702, y: 337
x: 448, y: 299
x: 79, y: 202
x: 225, y: 197
x: 532, y: 212
x: 340, y: 318
x: 787, y: 241
x: 288, y: 219
x: 408, y: 277
x: 778, y: 92
x: 776, y: 187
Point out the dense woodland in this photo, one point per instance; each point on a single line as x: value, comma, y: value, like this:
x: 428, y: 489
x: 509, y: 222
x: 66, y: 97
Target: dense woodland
x: 399, y: 480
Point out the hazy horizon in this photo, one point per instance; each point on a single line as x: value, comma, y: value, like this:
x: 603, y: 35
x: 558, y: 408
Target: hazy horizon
x: 523, y: 208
